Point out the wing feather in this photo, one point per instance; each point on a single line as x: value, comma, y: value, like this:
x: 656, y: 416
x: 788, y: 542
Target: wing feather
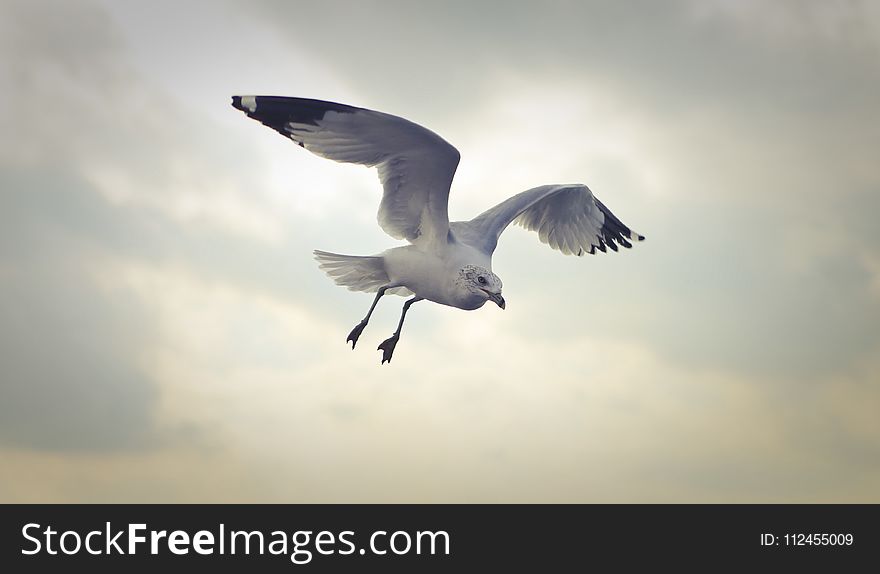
x: 566, y: 217
x: 415, y: 165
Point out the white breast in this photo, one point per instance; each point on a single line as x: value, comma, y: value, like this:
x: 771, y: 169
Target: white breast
x: 433, y: 276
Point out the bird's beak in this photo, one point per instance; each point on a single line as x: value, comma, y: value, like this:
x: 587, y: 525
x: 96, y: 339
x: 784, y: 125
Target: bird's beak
x: 498, y: 299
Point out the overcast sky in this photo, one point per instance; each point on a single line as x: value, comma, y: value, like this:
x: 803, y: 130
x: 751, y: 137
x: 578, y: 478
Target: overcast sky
x: 165, y: 335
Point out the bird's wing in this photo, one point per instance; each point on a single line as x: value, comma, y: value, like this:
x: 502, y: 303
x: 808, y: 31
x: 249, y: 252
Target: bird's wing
x: 566, y: 217
x: 416, y: 166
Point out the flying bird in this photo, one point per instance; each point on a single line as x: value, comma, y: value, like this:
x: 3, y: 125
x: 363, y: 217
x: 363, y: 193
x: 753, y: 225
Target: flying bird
x: 447, y: 262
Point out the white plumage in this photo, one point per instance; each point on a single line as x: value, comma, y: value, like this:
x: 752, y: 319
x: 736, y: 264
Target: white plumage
x: 446, y: 262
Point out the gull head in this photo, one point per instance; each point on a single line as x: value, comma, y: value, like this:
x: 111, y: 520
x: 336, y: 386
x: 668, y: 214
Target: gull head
x: 479, y: 285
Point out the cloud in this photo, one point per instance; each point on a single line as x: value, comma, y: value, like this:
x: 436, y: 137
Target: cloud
x: 129, y: 477
x: 164, y: 323
x: 73, y: 377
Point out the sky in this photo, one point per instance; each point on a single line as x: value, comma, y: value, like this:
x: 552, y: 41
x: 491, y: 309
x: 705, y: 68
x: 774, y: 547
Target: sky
x: 165, y: 335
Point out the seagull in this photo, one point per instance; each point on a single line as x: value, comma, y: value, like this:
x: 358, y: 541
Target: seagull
x: 447, y: 262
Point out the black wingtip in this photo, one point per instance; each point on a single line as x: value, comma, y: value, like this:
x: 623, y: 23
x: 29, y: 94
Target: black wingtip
x: 641, y: 237
x: 236, y: 103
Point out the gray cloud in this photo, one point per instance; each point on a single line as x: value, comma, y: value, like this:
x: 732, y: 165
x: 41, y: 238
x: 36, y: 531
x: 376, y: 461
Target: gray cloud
x: 115, y: 151
x: 667, y: 56
x: 763, y: 113
x: 72, y: 353
x: 708, y: 295
x: 76, y: 356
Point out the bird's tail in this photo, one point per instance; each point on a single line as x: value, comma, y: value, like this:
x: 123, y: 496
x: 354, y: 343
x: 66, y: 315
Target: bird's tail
x: 356, y: 272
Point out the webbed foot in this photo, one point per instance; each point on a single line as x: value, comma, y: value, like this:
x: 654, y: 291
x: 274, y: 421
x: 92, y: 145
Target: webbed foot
x: 355, y: 333
x: 387, y: 348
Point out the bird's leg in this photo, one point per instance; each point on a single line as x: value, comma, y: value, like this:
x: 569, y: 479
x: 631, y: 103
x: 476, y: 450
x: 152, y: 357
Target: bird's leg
x: 387, y: 346
x: 359, y: 328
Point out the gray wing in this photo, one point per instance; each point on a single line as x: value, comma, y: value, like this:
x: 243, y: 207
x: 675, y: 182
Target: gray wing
x: 415, y: 165
x: 566, y: 217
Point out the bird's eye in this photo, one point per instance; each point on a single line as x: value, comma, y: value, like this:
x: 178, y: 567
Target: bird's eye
x: 482, y: 280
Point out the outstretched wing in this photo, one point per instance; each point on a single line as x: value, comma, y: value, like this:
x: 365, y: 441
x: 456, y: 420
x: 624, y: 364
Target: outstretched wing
x: 566, y: 217
x: 416, y: 166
